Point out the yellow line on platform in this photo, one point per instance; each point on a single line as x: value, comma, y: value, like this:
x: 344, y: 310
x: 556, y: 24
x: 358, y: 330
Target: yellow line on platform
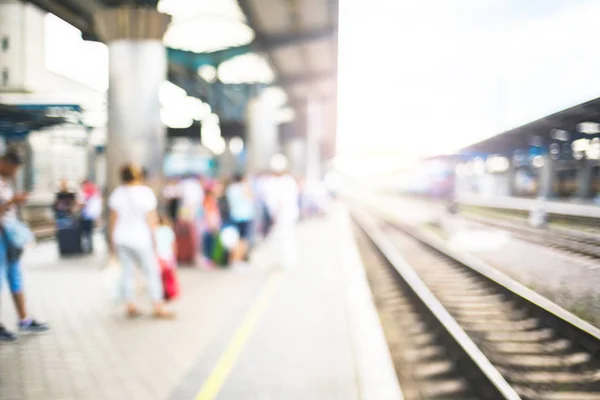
x: 212, y: 386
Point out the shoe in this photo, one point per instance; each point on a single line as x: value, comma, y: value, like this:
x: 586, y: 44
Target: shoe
x: 207, y: 264
x: 163, y: 314
x: 7, y: 336
x: 32, y: 326
x: 133, y: 313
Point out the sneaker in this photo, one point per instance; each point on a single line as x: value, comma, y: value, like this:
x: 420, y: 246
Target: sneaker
x: 207, y: 264
x: 32, y: 326
x: 7, y: 336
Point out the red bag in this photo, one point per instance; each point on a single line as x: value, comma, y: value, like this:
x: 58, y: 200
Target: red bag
x: 169, y: 280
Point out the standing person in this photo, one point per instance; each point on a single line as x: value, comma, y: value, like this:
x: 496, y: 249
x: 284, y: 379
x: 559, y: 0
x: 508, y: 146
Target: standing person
x: 91, y: 211
x: 192, y: 196
x: 282, y: 199
x: 211, y: 222
x: 166, y: 248
x: 65, y: 200
x: 10, y: 264
x: 264, y: 220
x: 132, y: 225
x: 172, y: 196
x: 241, y: 212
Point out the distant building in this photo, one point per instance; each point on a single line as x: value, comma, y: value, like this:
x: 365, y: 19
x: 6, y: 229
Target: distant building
x: 64, y: 151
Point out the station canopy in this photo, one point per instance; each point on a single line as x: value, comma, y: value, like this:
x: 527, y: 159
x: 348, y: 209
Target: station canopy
x: 567, y: 126
x: 223, y: 52
x: 17, y: 121
x: 284, y: 42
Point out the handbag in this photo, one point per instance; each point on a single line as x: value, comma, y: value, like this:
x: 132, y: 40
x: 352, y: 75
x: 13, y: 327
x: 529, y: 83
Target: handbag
x: 17, y: 233
x: 219, y: 255
x: 16, y: 236
x: 169, y: 280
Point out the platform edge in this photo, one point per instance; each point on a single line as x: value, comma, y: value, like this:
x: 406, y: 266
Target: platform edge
x: 376, y: 375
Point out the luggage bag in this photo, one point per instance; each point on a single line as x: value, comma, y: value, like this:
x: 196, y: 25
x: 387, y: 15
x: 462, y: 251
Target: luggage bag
x: 186, y: 241
x: 68, y: 236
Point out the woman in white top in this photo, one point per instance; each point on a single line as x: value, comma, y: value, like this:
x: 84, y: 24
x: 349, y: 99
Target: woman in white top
x: 133, y: 221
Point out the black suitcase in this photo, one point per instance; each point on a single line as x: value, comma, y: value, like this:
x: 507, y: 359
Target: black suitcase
x: 68, y: 236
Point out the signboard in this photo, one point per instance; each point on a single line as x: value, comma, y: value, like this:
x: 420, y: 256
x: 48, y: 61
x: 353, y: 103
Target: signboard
x: 177, y: 164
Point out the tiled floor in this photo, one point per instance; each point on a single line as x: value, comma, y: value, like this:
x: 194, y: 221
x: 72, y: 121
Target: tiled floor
x: 300, y: 349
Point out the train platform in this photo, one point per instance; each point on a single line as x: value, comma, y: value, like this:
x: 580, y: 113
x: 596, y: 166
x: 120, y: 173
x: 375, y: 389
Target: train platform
x: 567, y: 207
x: 265, y: 333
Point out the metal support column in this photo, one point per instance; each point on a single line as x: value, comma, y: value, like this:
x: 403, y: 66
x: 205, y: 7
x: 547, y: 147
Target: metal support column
x: 584, y: 179
x: 138, y: 66
x: 262, y: 128
x: 547, y: 177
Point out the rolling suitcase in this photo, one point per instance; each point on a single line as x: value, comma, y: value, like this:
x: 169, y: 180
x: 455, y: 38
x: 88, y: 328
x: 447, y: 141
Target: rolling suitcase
x: 68, y: 236
x: 186, y: 241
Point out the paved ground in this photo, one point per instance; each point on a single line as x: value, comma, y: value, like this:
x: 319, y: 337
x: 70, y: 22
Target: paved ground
x: 570, y: 280
x: 93, y: 352
x: 301, y: 348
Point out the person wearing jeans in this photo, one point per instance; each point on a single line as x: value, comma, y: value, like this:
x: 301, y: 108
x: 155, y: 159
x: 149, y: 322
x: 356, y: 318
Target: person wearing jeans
x: 10, y: 265
x: 241, y: 204
x: 211, y: 223
x: 132, y: 226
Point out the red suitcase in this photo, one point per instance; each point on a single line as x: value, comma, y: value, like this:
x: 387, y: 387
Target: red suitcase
x: 187, y: 242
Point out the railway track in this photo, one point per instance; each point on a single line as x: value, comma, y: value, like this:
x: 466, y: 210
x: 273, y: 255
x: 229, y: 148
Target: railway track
x: 476, y: 332
x: 579, y: 242
x: 564, y: 239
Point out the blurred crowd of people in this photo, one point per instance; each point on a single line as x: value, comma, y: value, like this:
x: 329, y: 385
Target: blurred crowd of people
x: 225, y: 218
x: 203, y: 222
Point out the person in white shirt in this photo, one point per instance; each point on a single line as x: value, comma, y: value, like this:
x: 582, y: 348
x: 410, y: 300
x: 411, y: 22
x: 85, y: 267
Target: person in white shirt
x: 132, y: 226
x: 192, y: 197
x: 282, y: 197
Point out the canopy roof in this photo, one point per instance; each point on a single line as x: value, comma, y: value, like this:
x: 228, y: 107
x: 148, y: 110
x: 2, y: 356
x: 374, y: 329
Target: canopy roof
x: 523, y: 136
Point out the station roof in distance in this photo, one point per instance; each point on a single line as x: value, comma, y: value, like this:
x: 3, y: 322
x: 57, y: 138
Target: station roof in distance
x: 522, y: 136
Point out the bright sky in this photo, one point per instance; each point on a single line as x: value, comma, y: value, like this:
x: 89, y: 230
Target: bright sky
x: 431, y: 76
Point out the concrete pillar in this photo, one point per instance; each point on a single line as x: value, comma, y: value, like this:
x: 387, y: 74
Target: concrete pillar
x: 584, y: 180
x: 295, y: 151
x: 137, y: 67
x: 315, y: 124
x: 262, y: 129
x: 91, y: 157
x: 512, y: 178
x: 547, y: 177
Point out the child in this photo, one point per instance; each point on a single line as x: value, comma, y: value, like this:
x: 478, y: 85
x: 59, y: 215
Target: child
x: 166, y: 250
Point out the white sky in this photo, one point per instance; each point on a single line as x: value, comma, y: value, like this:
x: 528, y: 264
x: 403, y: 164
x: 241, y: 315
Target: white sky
x: 431, y: 76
